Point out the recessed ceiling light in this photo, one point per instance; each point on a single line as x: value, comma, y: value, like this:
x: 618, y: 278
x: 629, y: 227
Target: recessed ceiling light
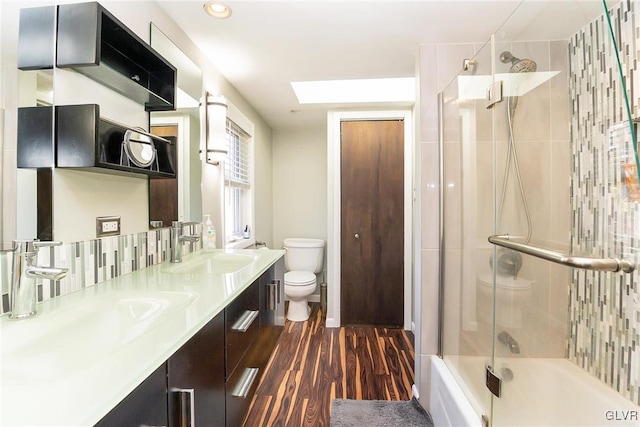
x: 354, y: 91
x: 217, y: 10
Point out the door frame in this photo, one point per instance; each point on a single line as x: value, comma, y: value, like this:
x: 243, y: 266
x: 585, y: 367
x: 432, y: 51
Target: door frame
x: 334, y: 118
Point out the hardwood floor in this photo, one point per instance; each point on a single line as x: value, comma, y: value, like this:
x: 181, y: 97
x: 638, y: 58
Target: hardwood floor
x: 312, y: 365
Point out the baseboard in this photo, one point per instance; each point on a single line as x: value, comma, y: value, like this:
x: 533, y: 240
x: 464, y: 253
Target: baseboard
x: 331, y: 323
x: 414, y: 391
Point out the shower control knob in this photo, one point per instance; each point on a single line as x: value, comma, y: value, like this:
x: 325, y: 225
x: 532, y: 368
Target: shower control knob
x: 357, y: 236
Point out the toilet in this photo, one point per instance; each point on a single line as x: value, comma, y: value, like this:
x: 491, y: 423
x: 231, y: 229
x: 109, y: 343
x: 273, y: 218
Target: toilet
x: 303, y: 259
x: 513, y: 297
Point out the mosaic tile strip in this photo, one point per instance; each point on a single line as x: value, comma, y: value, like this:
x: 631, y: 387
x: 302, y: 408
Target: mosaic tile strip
x: 604, y: 308
x: 95, y: 261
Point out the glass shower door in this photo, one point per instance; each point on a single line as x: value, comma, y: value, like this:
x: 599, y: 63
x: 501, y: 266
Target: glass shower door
x: 532, y: 207
x: 467, y: 153
x: 563, y: 340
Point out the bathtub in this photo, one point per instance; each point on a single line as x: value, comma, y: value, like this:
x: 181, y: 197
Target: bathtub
x: 543, y: 392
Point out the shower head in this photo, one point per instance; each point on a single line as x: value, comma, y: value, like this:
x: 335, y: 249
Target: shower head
x: 518, y: 65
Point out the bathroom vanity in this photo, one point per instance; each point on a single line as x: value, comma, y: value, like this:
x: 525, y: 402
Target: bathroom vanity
x: 161, y: 345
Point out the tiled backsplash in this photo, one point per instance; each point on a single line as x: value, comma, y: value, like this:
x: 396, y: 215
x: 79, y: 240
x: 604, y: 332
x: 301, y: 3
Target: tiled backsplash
x: 96, y: 261
x: 604, y: 308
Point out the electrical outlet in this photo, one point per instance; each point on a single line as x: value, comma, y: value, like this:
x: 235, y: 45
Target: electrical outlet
x: 107, y: 226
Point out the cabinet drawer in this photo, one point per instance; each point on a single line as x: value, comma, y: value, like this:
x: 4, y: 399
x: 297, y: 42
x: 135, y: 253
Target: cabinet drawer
x: 241, y: 386
x: 242, y: 325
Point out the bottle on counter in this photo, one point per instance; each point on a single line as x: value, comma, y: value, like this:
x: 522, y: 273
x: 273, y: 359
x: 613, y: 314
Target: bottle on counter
x: 209, y: 233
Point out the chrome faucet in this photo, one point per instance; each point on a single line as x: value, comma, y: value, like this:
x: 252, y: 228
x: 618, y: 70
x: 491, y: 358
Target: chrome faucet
x: 509, y: 341
x: 177, y: 239
x: 24, y: 275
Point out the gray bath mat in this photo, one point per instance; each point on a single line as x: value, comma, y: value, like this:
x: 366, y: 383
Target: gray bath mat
x: 374, y: 413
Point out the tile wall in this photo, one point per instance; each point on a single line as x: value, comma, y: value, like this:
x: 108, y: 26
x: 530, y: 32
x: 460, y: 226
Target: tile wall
x: 95, y: 261
x: 604, y: 308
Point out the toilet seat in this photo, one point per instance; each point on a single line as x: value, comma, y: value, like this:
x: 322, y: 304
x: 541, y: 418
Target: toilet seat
x: 299, y: 278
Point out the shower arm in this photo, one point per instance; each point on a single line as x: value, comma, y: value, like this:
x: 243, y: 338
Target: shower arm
x: 598, y: 264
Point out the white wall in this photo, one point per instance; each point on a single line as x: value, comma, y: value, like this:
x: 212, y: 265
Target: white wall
x: 79, y: 196
x: 263, y: 187
x: 299, y: 184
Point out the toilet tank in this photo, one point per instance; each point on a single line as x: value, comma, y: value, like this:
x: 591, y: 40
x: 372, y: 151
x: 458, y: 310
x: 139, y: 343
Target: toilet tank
x: 304, y: 254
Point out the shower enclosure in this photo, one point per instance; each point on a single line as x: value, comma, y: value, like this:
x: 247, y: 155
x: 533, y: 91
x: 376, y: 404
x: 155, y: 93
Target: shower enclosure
x: 541, y: 218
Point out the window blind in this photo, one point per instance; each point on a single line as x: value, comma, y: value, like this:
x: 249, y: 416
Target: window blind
x: 236, y: 171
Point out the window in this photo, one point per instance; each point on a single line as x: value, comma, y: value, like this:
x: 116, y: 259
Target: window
x: 237, y: 182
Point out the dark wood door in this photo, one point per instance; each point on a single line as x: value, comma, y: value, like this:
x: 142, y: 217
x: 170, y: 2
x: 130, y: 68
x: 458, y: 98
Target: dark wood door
x: 372, y: 223
x: 163, y: 193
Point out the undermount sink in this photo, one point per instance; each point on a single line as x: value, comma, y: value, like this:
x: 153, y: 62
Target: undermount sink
x: 94, y: 328
x: 214, y: 263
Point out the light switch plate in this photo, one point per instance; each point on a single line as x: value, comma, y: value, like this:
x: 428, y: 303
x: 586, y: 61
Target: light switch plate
x: 107, y: 226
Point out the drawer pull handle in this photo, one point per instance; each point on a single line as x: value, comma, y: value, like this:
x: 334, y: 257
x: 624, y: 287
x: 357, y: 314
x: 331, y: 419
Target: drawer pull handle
x: 271, y: 296
x: 246, y: 381
x: 184, y: 414
x: 244, y: 322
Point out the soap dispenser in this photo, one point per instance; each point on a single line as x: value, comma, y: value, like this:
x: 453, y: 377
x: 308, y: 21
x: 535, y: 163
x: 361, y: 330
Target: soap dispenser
x: 210, y: 233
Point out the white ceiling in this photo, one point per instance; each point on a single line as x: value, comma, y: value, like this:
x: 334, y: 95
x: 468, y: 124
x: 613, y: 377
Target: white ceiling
x: 267, y: 44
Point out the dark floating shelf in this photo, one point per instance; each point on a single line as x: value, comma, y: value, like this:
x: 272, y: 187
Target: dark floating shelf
x: 75, y: 136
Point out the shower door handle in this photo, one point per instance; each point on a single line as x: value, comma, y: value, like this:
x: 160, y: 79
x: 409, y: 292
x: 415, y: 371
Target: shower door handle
x: 597, y: 264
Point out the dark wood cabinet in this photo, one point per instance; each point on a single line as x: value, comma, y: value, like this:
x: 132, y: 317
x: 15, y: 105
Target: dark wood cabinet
x: 242, y: 374
x: 210, y: 381
x: 248, y: 353
x: 144, y: 406
x: 242, y: 325
x: 272, y: 315
x: 94, y: 43
x: 196, y: 378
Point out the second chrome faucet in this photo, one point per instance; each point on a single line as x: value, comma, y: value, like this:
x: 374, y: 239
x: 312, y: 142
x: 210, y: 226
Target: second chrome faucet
x: 177, y: 240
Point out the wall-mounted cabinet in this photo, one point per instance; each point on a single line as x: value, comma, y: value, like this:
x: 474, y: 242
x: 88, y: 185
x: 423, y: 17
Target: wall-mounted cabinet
x: 36, y: 38
x: 93, y: 42
x: 80, y: 138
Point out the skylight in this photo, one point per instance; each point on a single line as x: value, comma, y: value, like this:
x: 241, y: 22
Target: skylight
x: 355, y: 91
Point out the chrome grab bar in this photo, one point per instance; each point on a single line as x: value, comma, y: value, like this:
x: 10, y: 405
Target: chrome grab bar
x: 597, y: 264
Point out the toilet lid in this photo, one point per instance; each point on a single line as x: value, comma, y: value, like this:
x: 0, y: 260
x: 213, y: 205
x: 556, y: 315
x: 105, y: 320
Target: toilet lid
x: 299, y: 278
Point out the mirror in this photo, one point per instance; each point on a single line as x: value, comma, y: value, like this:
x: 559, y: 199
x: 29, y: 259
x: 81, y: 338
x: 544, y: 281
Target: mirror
x: 139, y: 148
x: 19, y: 88
x: 179, y: 198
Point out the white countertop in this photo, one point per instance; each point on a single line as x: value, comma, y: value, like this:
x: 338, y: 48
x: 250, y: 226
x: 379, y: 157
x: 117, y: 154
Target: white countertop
x: 84, y: 352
